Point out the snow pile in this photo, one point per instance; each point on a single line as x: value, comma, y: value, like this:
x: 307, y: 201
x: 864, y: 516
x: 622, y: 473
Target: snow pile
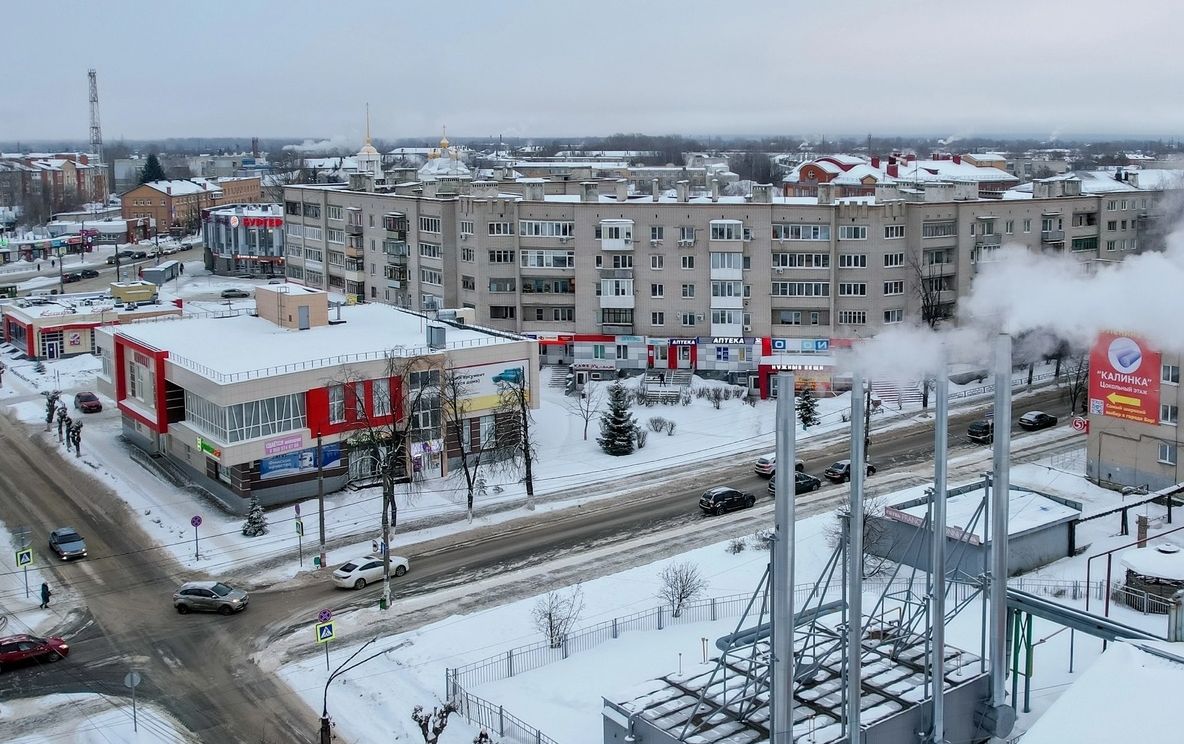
x: 86, y: 719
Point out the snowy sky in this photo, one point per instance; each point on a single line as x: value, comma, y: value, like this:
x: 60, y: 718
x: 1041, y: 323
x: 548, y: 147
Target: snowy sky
x: 305, y: 68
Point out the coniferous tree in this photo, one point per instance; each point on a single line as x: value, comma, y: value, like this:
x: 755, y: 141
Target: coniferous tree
x: 152, y: 170
x: 256, y: 523
x: 807, y: 409
x: 617, y: 425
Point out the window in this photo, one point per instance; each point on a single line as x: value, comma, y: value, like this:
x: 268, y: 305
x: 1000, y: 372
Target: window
x: 852, y: 289
x: 292, y: 208
x: 1124, y: 224
x: 721, y: 353
x: 312, y: 254
x: 336, y: 404
x: 688, y: 291
x: 312, y: 233
x: 801, y: 289
x: 501, y: 228
x: 1169, y: 414
x: 1048, y: 224
x: 657, y: 291
x: 548, y: 286
x: 801, y: 260
x: 466, y: 227
x: 1111, y: 245
x: 727, y: 260
x: 1112, y: 225
x: 688, y: 262
x: 430, y: 276
x: 657, y: 232
x: 658, y: 318
x: 893, y: 316
x: 1112, y: 205
x: 622, y: 351
x: 727, y: 231
x: 1167, y: 453
x: 598, y: 351
x: 788, y: 317
x: 622, y: 262
x: 852, y: 317
x: 468, y: 282
x: 314, y: 210
x: 893, y: 232
x: 502, y: 257
x: 429, y: 224
x: 852, y: 232
x: 567, y: 314
x: 334, y: 212
x: 1170, y: 374
x: 1085, y: 244
x: 686, y: 233
x: 939, y: 256
x: 503, y: 285
x: 543, y: 229
x: 726, y: 317
x: 617, y: 232
x: 429, y: 250
x: 1123, y: 204
x: 468, y: 255
x: 852, y: 261
x: 893, y: 288
x: 939, y: 229
x: 502, y: 312
x: 335, y: 235
x: 688, y: 319
x: 727, y: 289
x: 548, y: 259
x: 616, y: 287
x: 1027, y: 225
x: 1009, y: 227
x: 801, y: 232
x: 656, y: 262
x: 253, y: 419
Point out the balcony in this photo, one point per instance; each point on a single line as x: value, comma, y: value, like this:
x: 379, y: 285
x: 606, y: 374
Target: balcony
x: 353, y: 229
x: 938, y: 269
x: 727, y: 274
x: 626, y: 301
x: 616, y: 329
x: 355, y: 250
x: 727, y: 329
x: 986, y: 241
x: 727, y: 303
x: 616, y: 235
x: 397, y: 224
x: 616, y: 273
x: 1052, y: 236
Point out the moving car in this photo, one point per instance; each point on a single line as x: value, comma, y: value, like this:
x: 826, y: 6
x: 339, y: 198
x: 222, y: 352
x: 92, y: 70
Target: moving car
x: 120, y: 256
x: 232, y: 293
x: 137, y: 255
x: 67, y: 543
x: 840, y: 472
x: 209, y: 596
x: 89, y: 273
x: 19, y: 649
x: 88, y: 402
x: 766, y: 465
x: 359, y: 572
x: 71, y: 277
x: 981, y: 431
x: 1036, y: 420
x: 725, y: 498
x: 803, y: 483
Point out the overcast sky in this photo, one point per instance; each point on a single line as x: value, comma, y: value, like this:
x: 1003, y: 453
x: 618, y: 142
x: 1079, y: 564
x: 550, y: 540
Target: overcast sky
x: 305, y: 68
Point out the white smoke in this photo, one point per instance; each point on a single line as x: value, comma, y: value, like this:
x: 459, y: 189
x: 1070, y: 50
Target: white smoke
x: 947, y: 141
x: 335, y: 145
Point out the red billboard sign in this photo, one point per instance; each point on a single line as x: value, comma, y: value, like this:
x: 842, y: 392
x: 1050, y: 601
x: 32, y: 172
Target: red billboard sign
x: 1124, y: 378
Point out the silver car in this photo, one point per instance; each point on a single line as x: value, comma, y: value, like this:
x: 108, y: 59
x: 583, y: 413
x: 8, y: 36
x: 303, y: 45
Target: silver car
x: 209, y: 596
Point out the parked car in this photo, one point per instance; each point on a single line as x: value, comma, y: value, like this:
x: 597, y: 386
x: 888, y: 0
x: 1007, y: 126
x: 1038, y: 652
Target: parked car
x: 18, y: 649
x: 89, y: 274
x: 275, y: 280
x: 725, y: 498
x: 137, y: 255
x: 1036, y: 420
x: 981, y: 431
x: 120, y: 256
x: 766, y: 465
x: 67, y: 543
x: 512, y: 376
x: 803, y: 483
x: 359, y: 572
x: 840, y: 472
x: 228, y: 294
x: 209, y: 596
x: 71, y: 277
x: 88, y: 402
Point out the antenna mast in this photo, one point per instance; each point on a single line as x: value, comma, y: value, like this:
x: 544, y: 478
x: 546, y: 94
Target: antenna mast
x: 96, y: 131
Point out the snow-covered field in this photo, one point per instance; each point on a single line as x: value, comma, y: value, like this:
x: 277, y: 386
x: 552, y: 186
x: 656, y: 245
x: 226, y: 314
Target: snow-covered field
x: 87, y: 719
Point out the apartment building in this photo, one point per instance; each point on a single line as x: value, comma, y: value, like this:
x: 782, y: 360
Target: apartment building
x: 178, y: 203
x: 739, y: 288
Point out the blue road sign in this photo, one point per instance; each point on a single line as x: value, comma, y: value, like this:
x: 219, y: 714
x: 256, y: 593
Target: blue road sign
x: 324, y: 632
x: 24, y: 557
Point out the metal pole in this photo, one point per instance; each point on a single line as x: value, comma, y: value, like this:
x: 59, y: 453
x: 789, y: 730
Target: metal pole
x: 855, y: 559
x: 1001, y: 493
x: 941, y: 441
x: 196, y: 552
x: 326, y: 644
x: 321, y: 496
x: 782, y: 579
x: 135, y: 722
x: 982, y: 641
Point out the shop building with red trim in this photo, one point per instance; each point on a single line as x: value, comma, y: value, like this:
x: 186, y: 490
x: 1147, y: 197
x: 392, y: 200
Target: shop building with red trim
x: 65, y: 325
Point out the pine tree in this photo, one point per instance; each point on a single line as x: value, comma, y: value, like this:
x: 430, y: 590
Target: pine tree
x: 617, y: 425
x: 807, y: 409
x: 152, y: 170
x: 256, y: 523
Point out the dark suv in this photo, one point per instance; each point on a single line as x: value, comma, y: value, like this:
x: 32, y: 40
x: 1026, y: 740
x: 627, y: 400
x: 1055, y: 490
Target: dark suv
x: 981, y: 432
x: 725, y: 498
x: 840, y: 472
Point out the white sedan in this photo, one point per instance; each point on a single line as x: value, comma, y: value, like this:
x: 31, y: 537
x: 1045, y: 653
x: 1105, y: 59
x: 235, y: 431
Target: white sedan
x: 359, y: 572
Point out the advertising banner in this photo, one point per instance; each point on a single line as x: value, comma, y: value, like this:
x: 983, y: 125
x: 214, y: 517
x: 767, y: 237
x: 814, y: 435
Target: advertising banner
x: 286, y: 443
x: 296, y: 463
x: 1124, y: 379
x: 480, y: 381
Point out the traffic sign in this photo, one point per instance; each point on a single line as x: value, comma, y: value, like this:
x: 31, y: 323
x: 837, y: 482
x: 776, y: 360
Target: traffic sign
x: 24, y: 557
x: 324, y: 632
x: 325, y: 615
x: 297, y: 508
x: 1081, y: 424
x: 196, y: 521
x: 300, y: 527
x: 131, y: 680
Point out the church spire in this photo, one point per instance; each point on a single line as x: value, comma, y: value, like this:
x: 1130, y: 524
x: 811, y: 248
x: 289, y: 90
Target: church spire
x: 367, y: 122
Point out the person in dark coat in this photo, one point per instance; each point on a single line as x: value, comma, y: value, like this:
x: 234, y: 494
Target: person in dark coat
x: 45, y: 595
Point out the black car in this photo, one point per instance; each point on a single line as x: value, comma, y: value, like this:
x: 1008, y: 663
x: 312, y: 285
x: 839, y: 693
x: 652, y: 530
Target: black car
x: 803, y: 483
x: 89, y: 274
x: 71, y: 277
x: 725, y: 498
x: 981, y: 432
x: 1036, y: 420
x: 840, y: 472
x: 67, y: 543
x: 137, y: 255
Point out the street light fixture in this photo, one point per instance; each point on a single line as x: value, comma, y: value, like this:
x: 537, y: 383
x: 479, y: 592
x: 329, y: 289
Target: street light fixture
x: 326, y: 731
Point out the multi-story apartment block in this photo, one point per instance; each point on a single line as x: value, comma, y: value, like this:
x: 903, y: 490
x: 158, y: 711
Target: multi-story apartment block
x: 733, y: 287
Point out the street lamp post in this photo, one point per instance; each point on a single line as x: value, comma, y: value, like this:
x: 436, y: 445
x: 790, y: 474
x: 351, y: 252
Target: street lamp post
x: 321, y: 496
x: 326, y: 731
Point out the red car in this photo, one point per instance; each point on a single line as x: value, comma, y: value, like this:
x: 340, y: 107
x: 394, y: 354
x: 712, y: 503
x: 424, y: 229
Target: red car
x: 88, y: 403
x: 20, y: 649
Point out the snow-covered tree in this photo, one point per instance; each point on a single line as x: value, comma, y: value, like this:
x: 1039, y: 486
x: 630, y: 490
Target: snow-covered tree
x: 256, y: 523
x: 431, y: 725
x: 807, y: 409
x: 617, y: 425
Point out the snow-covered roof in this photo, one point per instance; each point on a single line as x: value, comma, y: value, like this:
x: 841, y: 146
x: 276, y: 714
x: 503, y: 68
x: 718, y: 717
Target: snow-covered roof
x: 1163, y: 561
x: 251, y: 210
x: 445, y: 166
x: 184, y: 186
x: 1158, y: 179
x: 1028, y: 510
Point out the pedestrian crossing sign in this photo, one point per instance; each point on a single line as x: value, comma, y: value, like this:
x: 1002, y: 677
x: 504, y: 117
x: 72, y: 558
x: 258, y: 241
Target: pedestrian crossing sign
x: 324, y: 632
x: 24, y: 557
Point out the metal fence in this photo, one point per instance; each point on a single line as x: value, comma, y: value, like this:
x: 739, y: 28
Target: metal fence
x: 1135, y: 599
x: 495, y: 718
x: 1016, y: 381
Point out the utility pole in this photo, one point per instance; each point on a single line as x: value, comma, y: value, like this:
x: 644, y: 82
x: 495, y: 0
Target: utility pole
x: 867, y: 416
x: 321, y: 496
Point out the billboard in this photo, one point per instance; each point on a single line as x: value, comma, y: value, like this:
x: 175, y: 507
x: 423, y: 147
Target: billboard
x: 1124, y: 378
x: 301, y: 461
x: 481, y: 380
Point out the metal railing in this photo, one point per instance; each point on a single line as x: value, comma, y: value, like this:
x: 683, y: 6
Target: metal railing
x: 492, y: 717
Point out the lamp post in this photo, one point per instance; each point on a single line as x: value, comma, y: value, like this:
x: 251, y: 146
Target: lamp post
x: 321, y: 496
x: 326, y: 732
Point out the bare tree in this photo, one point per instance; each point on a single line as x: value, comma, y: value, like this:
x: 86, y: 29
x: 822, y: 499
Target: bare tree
x: 873, y: 532
x: 1076, y: 371
x: 431, y: 725
x: 925, y: 289
x: 586, y: 406
x: 473, y: 452
x: 681, y: 583
x: 515, y: 434
x: 555, y: 613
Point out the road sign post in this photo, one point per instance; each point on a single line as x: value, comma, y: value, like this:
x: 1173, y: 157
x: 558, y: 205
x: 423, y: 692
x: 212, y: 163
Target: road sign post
x: 324, y: 631
x: 132, y: 680
x: 196, y: 522
x: 24, y: 558
x: 300, y: 539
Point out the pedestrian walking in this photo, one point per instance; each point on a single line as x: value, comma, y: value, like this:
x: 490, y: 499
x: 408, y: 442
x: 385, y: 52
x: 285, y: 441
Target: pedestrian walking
x: 39, y: 266
x: 45, y: 595
x: 52, y: 263
x: 182, y: 268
